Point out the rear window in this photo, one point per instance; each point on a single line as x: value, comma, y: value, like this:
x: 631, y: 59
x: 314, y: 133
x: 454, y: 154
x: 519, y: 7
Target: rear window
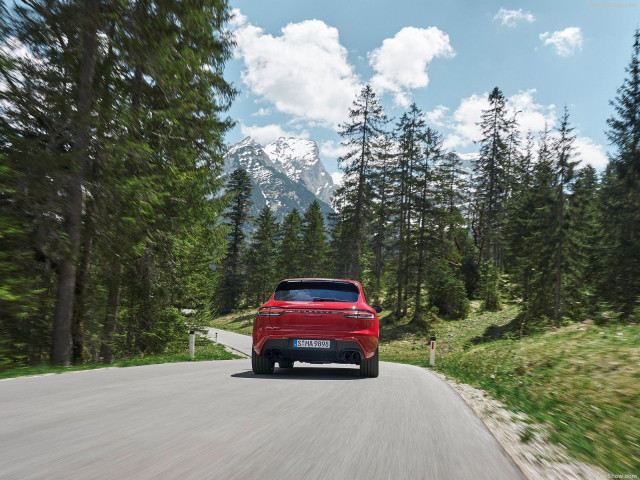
x: 317, y: 291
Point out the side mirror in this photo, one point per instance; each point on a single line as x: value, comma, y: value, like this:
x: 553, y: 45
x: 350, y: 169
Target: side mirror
x: 377, y: 308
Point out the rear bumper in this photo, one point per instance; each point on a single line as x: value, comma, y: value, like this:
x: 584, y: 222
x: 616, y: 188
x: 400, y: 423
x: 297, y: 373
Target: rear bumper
x: 363, y: 342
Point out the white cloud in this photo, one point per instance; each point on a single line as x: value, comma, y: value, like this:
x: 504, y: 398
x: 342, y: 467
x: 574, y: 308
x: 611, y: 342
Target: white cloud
x: 590, y: 152
x: 510, y: 18
x: 566, y: 42
x: 436, y: 116
x: 303, y: 72
x: 452, y: 141
x: 337, y: 178
x: 401, y: 62
x: 332, y: 149
x: 465, y: 119
x: 262, y: 112
x: 237, y: 18
x: 532, y: 116
x: 269, y: 133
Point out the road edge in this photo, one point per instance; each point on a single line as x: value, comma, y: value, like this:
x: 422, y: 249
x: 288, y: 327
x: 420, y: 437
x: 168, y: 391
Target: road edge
x: 536, y: 459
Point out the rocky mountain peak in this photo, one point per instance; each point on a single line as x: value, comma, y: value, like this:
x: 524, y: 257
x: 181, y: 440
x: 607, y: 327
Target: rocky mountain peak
x: 284, y: 179
x: 299, y: 159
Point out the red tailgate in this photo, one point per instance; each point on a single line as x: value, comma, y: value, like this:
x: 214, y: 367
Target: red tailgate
x: 330, y: 316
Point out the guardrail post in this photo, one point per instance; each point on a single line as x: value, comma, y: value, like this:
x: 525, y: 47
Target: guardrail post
x: 192, y: 343
x: 432, y: 351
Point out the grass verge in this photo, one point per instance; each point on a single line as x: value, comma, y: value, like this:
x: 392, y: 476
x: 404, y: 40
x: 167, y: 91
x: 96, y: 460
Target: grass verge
x: 582, y: 381
x: 240, y: 321
x: 205, y: 350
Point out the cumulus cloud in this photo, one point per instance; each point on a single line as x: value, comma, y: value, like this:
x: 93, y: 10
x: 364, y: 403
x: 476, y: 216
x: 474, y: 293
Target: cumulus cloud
x: 262, y: 112
x: 511, y: 18
x: 401, y: 62
x: 531, y: 115
x: 269, y: 133
x: 590, y: 152
x: 237, y: 18
x: 332, y: 149
x: 303, y: 72
x: 565, y: 42
x: 337, y: 178
x: 436, y: 116
x: 464, y: 120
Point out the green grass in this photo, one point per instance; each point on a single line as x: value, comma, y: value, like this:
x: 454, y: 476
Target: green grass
x: 240, y: 321
x: 205, y: 350
x: 582, y: 381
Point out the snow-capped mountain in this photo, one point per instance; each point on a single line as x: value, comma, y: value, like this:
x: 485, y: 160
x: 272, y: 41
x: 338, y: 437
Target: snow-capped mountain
x: 299, y: 160
x: 271, y: 185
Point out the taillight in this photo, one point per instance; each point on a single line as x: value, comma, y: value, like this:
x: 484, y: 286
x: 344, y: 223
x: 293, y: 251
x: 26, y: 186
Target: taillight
x: 359, y: 314
x: 271, y: 311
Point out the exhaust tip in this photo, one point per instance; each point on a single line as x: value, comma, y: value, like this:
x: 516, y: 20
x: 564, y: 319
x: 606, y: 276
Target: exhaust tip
x: 347, y: 356
x: 355, y: 357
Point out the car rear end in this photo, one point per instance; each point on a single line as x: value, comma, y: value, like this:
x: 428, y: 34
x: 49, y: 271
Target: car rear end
x: 316, y: 321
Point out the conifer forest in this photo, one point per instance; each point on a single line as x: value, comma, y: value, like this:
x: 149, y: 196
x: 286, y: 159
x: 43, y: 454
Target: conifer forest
x: 118, y: 230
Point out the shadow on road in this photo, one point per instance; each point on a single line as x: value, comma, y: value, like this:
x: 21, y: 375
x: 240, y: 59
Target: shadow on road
x: 308, y: 373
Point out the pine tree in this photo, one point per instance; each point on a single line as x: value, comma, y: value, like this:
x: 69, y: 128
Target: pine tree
x: 584, y: 244
x: 122, y: 112
x: 382, y: 187
x: 290, y: 253
x: 491, y: 177
x: 410, y: 132
x: 423, y: 202
x: 532, y: 233
x: 45, y: 86
x: 564, y: 153
x: 233, y: 275
x: 261, y: 258
x: 314, y: 243
x: 366, y: 120
x: 623, y: 288
x: 447, y: 291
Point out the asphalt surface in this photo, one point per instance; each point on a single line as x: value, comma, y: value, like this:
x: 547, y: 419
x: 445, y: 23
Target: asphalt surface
x: 240, y: 343
x: 217, y: 420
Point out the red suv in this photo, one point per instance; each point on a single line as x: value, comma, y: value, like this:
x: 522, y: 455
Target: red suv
x: 316, y: 320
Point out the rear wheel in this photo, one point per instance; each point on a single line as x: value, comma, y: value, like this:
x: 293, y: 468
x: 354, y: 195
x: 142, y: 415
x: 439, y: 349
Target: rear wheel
x: 261, y: 365
x: 369, y: 368
x: 285, y: 363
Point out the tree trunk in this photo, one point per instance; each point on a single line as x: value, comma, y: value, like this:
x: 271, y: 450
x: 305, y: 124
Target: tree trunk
x: 144, y: 314
x: 632, y: 292
x: 82, y: 279
x: 113, y: 304
x: 559, y: 258
x: 417, y: 315
x: 81, y: 127
x: 400, y: 260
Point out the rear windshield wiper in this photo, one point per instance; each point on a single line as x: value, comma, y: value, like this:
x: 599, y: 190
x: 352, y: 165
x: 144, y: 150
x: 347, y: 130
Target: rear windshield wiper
x: 320, y: 299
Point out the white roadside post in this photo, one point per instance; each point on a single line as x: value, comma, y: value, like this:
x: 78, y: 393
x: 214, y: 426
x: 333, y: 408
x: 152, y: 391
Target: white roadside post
x: 192, y: 343
x: 432, y: 352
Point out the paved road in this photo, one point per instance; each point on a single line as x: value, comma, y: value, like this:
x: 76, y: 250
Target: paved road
x: 241, y: 343
x: 217, y: 420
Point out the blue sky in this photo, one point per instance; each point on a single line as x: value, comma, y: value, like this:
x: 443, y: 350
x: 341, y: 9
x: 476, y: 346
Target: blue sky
x: 299, y: 63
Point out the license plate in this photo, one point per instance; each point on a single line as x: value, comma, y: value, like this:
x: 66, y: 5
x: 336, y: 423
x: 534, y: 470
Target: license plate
x: 312, y: 343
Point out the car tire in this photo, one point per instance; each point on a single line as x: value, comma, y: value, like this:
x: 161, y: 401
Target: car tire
x: 285, y: 363
x: 261, y: 365
x: 370, y: 368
